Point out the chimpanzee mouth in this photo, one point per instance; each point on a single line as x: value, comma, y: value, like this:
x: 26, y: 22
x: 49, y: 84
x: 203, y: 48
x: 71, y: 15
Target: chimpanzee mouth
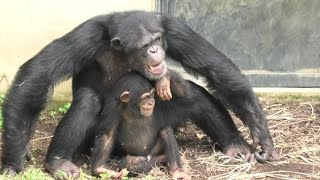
x: 147, y: 111
x: 157, y: 69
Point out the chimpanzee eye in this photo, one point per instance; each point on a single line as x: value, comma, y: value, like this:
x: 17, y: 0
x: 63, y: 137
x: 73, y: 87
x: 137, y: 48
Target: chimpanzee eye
x: 98, y: 135
x: 144, y: 100
x: 145, y: 46
x: 158, y: 39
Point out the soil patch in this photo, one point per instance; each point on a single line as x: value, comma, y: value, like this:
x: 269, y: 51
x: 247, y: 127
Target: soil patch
x: 294, y: 126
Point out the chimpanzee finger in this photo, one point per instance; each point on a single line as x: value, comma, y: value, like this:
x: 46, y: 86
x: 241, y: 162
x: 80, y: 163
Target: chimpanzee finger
x: 166, y: 95
x: 261, y: 158
x: 115, y: 175
x: 158, y: 92
x: 274, y: 156
x: 66, y: 176
x: 162, y: 94
x: 118, y: 175
x: 8, y: 171
x: 124, y: 173
x: 249, y: 157
x: 169, y: 93
x: 75, y: 174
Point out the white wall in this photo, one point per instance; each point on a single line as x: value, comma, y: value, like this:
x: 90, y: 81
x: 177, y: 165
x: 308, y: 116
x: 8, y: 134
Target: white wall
x: 26, y: 26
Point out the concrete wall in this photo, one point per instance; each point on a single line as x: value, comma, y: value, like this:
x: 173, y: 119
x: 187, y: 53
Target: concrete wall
x: 28, y: 25
x: 275, y: 42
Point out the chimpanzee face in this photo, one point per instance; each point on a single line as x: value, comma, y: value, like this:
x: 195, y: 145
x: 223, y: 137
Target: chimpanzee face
x: 145, y: 103
x: 143, y: 49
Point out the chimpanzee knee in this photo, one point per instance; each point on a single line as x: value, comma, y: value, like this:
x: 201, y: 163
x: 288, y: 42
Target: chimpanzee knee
x: 167, y: 132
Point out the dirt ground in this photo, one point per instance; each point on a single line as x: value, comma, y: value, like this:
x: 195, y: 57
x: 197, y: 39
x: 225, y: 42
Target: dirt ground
x: 294, y: 126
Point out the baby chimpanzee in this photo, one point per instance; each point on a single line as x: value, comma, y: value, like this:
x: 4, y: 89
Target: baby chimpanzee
x: 138, y: 126
x: 140, y: 137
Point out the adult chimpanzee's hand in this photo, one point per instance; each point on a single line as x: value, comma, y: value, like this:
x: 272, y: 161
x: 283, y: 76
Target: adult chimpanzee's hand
x: 163, y: 88
x: 268, y: 152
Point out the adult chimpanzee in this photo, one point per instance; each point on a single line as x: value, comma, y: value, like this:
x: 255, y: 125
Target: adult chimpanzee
x: 137, y: 133
x: 95, y: 55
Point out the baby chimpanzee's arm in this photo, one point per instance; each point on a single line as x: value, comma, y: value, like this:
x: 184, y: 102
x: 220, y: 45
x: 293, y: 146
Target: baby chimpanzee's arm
x: 172, y: 154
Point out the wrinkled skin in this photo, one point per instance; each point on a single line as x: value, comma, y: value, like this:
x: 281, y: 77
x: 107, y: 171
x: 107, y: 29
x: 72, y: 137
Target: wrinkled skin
x: 62, y: 169
x: 178, y: 174
x: 163, y: 88
x: 241, y: 149
x: 267, y: 154
x: 112, y: 174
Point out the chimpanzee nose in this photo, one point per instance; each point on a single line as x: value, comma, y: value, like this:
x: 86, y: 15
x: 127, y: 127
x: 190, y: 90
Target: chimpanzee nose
x: 151, y: 101
x: 153, y: 49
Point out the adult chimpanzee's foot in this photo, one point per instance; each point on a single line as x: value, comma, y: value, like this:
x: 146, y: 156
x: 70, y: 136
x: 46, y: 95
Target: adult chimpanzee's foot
x: 8, y: 171
x: 240, y: 148
x: 62, y: 169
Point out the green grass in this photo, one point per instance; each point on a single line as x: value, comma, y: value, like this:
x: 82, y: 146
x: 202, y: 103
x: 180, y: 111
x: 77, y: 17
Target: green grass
x: 31, y: 173
x: 54, y: 108
x: 1, y: 98
x: 64, y: 108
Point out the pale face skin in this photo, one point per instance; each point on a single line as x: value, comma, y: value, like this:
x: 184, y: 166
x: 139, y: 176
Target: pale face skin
x: 147, y: 103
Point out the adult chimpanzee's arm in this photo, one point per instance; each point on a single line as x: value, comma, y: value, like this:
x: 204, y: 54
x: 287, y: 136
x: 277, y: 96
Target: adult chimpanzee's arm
x: 179, y: 86
x: 71, y: 133
x: 29, y: 91
x: 212, y: 117
x: 172, y: 83
x: 199, y: 57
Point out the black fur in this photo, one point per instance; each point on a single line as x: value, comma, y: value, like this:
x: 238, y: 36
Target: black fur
x: 86, y: 56
x: 190, y: 101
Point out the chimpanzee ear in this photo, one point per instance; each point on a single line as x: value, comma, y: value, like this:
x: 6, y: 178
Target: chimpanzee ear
x: 116, y: 43
x: 125, y: 96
